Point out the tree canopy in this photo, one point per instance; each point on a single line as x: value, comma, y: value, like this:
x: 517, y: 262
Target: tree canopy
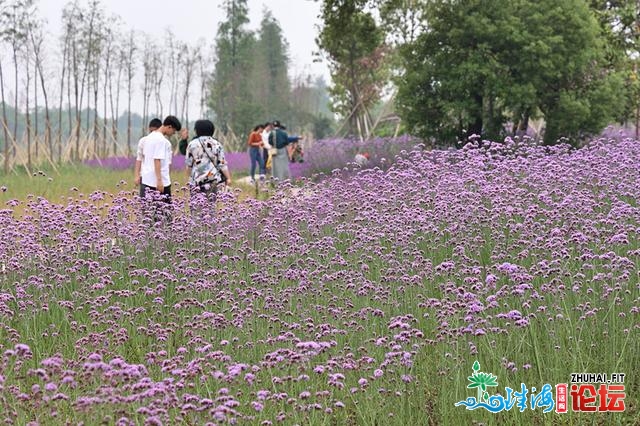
x: 484, y: 64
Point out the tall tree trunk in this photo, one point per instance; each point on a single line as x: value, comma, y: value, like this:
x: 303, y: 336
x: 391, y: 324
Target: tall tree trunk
x: 76, y: 91
x: 64, y: 69
x: 475, y: 127
x: 107, y: 75
x: 5, y: 132
x: 35, y: 105
x: 95, y: 116
x: 145, y: 98
x: 36, y: 42
x: 129, y: 117
x: 115, y: 109
x: 203, y: 86
x: 15, y: 102
x: 27, y: 112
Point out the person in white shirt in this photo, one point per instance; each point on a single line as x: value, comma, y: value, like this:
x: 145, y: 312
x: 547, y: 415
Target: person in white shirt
x: 268, y: 127
x: 156, y: 158
x: 154, y: 124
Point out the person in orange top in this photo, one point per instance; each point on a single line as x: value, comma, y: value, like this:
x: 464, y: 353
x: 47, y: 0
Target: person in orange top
x: 255, y: 150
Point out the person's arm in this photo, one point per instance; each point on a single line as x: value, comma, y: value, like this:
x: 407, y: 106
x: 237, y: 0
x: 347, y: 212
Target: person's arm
x: 136, y: 173
x: 139, y: 158
x: 222, y: 165
x: 227, y: 174
x: 157, y: 165
x: 158, y: 152
x: 188, y: 162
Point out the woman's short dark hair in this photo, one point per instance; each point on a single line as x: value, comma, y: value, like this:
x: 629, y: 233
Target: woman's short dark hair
x: 204, y: 128
x: 172, y: 121
x: 258, y: 127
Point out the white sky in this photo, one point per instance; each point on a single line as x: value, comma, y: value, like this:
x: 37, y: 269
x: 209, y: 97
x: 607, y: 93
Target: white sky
x: 191, y: 20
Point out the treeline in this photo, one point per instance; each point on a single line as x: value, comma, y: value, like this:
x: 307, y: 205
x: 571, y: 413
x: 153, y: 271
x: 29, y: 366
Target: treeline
x: 484, y: 67
x: 74, y: 96
x: 250, y: 80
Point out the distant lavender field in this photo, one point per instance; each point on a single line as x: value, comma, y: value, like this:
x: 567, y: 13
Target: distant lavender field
x: 323, y: 157
x: 237, y: 161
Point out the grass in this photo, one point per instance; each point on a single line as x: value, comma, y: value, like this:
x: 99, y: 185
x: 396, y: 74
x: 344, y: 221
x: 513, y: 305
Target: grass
x: 72, y: 181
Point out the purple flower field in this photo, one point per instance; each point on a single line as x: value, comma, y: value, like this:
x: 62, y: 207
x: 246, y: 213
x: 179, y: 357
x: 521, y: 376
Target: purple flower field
x: 323, y: 157
x: 362, y: 298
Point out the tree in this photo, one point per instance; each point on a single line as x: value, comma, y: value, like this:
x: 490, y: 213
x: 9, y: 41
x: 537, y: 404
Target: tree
x: 620, y: 22
x: 66, y: 44
x: 356, y: 52
x: 110, y: 55
x: 402, y: 20
x: 484, y: 63
x: 271, y: 81
x: 15, y: 33
x: 129, y: 64
x: 188, y: 63
x: 147, y: 69
x: 231, y: 98
x: 114, y: 101
x: 5, y: 124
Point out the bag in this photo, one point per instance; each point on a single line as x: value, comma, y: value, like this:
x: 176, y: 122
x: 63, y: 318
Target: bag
x: 269, y: 162
x: 223, y: 178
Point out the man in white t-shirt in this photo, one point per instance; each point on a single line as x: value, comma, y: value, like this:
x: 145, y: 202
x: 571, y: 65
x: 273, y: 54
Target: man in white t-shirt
x: 156, y: 158
x: 154, y: 124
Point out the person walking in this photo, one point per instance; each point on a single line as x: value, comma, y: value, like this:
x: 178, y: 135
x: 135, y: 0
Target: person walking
x: 156, y: 159
x: 279, y: 139
x: 255, y: 152
x: 154, y: 124
x: 206, y: 164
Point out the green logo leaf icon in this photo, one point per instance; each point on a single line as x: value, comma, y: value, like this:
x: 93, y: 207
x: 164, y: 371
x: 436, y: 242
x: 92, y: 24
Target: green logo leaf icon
x: 481, y: 381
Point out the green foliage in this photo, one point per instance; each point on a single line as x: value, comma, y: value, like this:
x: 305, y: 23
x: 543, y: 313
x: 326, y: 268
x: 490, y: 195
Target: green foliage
x: 402, y: 20
x: 230, y: 90
x: 250, y: 83
x: 270, y: 76
x: 619, y: 21
x: 356, y: 52
x: 482, y: 64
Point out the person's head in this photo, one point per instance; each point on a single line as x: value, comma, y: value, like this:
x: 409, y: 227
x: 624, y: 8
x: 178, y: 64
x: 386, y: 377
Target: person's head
x: 258, y: 128
x: 171, y: 125
x: 268, y: 126
x: 204, y: 128
x: 278, y: 125
x: 155, y: 124
x: 366, y: 155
